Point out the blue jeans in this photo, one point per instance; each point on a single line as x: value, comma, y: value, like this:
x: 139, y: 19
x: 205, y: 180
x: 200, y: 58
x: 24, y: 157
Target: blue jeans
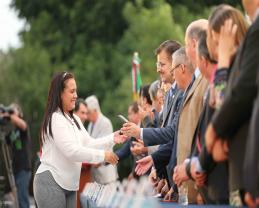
x: 22, y: 180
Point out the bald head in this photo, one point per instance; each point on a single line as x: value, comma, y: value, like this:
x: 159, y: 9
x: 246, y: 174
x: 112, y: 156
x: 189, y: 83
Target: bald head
x: 192, y: 36
x: 195, y: 27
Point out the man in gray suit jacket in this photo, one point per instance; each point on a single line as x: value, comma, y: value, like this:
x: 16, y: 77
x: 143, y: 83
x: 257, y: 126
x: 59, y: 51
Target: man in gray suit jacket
x: 98, y: 127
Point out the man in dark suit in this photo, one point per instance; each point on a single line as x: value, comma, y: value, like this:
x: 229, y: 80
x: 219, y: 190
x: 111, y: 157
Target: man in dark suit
x: 171, y: 103
x: 124, y: 152
x: 147, y: 120
x: 231, y: 122
x: 172, y: 98
x: 251, y: 164
x: 164, y: 64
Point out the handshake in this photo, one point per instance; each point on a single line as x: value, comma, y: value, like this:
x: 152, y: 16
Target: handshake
x: 128, y: 130
x: 111, y: 157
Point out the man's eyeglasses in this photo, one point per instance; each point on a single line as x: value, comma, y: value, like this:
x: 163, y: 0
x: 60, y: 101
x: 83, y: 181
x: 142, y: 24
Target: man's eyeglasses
x: 174, y: 68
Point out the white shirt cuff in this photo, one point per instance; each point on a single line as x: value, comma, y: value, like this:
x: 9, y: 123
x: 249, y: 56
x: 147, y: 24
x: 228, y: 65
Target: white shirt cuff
x: 198, y: 164
x: 141, y: 133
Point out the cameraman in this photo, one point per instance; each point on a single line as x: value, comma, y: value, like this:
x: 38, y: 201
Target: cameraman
x: 19, y: 140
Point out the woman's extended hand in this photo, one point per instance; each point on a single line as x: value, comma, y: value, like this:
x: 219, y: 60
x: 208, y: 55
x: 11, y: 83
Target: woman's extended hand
x: 111, y: 157
x: 119, y: 138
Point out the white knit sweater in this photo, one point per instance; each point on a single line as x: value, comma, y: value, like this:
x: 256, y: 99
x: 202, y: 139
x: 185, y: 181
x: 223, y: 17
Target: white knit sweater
x: 63, y: 154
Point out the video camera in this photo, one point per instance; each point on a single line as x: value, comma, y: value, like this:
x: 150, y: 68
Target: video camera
x: 5, y: 124
x: 5, y: 128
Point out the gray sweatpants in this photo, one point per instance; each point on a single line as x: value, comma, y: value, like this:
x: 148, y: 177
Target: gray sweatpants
x: 49, y: 194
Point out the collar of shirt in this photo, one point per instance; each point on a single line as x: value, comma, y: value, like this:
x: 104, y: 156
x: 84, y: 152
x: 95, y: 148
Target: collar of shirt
x: 190, y: 85
x: 173, y: 85
x: 206, y: 94
x: 173, y: 88
x: 197, y: 72
x: 256, y: 14
x: 67, y: 116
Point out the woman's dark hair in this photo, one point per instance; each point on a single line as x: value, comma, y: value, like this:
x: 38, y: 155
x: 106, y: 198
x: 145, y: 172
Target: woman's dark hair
x: 54, y: 102
x: 144, y: 92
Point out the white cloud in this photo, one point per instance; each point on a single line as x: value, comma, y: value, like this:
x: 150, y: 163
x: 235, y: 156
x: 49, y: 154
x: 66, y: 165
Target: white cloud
x: 10, y: 26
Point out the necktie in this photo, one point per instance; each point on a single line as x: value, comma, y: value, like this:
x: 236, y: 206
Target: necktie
x: 91, y: 130
x: 170, y: 96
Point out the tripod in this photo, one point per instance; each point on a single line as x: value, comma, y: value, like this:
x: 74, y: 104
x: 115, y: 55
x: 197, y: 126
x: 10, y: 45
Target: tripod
x: 9, y: 168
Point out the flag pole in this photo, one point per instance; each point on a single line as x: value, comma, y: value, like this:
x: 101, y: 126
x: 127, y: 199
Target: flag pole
x: 136, y: 77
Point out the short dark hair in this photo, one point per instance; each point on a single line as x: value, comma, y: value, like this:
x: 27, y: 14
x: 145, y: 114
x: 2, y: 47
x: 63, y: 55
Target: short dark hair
x: 202, y: 47
x: 169, y: 46
x: 144, y: 92
x: 134, y: 107
x: 78, y: 102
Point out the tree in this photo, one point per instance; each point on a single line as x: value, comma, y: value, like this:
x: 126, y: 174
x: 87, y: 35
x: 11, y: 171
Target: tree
x: 67, y: 27
x: 25, y: 77
x: 144, y: 35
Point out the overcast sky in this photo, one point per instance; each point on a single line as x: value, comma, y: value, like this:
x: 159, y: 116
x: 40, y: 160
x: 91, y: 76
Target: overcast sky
x: 10, y: 26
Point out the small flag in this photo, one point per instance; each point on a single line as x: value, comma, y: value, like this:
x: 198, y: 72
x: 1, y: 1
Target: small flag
x: 136, y: 77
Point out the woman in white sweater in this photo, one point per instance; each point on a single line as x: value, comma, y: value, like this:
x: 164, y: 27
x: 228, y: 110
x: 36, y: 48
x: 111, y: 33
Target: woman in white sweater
x: 65, y: 145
